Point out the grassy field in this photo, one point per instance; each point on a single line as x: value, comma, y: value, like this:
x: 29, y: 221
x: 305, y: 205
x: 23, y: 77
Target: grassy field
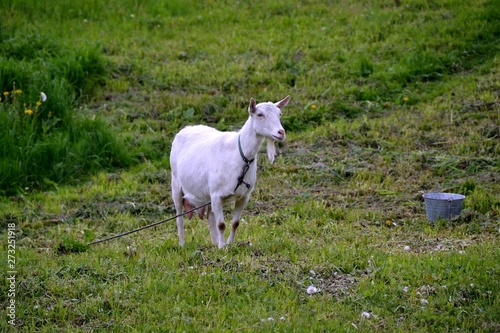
x: 390, y: 100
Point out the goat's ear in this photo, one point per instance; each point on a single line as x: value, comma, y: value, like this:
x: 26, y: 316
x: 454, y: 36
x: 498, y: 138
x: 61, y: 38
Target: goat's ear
x: 271, y: 150
x: 283, y: 102
x: 252, y: 107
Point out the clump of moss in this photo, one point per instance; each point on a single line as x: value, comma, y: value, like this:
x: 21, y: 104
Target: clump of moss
x: 71, y: 245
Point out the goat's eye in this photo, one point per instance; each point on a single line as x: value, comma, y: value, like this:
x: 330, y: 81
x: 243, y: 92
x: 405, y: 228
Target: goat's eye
x: 260, y: 115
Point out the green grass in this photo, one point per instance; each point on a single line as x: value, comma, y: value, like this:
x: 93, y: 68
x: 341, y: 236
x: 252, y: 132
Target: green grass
x: 388, y: 102
x: 44, y: 141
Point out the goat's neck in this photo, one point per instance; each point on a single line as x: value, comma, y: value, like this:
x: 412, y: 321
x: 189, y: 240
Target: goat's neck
x: 250, y: 141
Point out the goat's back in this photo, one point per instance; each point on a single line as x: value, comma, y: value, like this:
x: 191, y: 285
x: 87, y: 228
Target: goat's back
x: 200, y: 139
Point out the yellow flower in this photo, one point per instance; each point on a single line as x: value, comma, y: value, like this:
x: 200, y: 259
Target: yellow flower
x: 18, y: 91
x: 28, y: 111
x: 38, y: 103
x: 6, y: 93
x: 313, y: 106
x: 0, y: 99
x: 406, y: 99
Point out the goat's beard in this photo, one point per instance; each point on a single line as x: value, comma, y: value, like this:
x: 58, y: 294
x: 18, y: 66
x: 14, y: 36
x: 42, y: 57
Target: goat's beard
x: 271, y: 150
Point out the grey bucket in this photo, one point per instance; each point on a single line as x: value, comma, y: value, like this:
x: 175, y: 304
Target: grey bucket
x: 443, y: 205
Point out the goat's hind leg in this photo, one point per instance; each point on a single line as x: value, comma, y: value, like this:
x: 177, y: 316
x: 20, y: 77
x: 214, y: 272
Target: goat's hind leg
x: 177, y: 197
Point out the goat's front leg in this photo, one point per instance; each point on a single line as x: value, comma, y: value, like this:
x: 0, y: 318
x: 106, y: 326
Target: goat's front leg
x: 218, y: 217
x: 212, y: 226
x: 239, y: 206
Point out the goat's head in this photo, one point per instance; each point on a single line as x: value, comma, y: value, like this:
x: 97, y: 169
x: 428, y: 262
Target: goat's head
x: 266, y: 122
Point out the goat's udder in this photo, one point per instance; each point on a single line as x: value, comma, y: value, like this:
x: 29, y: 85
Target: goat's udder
x: 188, y: 206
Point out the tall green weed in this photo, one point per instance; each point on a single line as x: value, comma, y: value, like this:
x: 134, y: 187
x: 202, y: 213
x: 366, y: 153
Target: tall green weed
x: 43, y: 140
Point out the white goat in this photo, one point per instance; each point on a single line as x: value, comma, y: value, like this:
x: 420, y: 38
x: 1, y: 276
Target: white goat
x: 218, y: 167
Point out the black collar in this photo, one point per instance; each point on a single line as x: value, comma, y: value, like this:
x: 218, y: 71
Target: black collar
x: 245, y: 167
x: 246, y: 160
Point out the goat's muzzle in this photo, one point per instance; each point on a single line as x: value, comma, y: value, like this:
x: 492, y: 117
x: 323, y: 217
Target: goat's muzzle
x: 281, y: 135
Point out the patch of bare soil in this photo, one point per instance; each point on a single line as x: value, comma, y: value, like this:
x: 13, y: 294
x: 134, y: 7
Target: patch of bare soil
x: 428, y: 245
x: 338, y: 285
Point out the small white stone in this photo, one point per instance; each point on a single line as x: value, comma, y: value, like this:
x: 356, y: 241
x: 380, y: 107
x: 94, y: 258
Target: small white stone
x: 405, y: 289
x: 423, y: 301
x: 407, y: 248
x: 365, y: 315
x: 312, y: 290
